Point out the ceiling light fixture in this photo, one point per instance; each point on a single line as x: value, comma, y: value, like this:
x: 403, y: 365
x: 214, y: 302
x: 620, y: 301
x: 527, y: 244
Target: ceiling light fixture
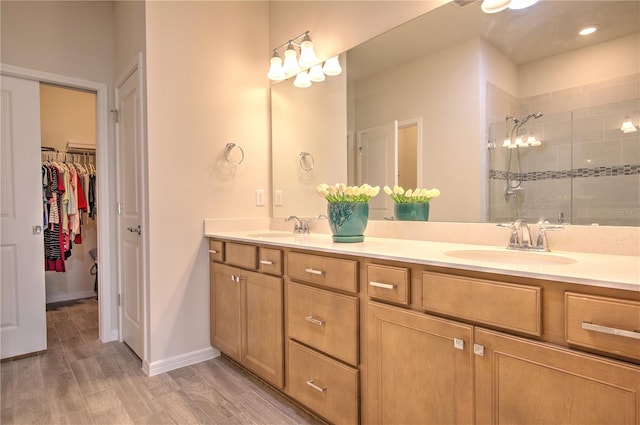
x: 495, y: 6
x: 588, y: 30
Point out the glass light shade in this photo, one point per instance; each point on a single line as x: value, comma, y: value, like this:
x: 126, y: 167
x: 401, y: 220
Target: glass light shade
x: 494, y: 6
x: 519, y: 141
x: 535, y: 142
x: 315, y: 74
x: 276, y: 73
x: 332, y: 67
x: 302, y: 80
x: 628, y: 127
x: 307, y: 55
x: 290, y: 65
x: 521, y: 4
x: 506, y: 143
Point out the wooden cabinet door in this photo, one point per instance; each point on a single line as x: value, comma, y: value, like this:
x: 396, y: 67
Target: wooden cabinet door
x: 225, y: 310
x: 525, y: 382
x: 415, y: 373
x: 262, y: 336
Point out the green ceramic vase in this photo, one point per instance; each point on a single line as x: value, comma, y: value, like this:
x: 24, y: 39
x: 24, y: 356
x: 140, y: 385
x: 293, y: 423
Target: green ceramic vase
x: 412, y: 211
x: 348, y: 220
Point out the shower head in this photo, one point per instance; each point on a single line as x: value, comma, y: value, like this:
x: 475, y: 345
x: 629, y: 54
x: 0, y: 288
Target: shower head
x: 520, y: 123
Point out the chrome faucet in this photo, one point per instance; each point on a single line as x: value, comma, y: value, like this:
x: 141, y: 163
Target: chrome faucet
x: 521, y: 235
x: 301, y: 225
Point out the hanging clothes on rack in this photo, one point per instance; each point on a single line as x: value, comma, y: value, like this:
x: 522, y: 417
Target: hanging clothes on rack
x: 64, y: 202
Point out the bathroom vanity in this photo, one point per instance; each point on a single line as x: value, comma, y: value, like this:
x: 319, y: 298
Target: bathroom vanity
x: 402, y: 331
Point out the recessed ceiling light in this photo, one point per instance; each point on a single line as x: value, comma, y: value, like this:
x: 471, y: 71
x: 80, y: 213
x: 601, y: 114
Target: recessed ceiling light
x: 588, y: 30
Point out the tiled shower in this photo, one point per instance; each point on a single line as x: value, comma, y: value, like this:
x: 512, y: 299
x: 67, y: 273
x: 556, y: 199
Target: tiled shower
x: 586, y: 171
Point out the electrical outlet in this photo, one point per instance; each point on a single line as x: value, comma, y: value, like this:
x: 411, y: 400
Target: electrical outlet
x: 260, y: 197
x: 277, y: 197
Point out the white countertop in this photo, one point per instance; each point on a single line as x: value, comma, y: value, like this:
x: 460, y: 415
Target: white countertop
x: 603, y: 270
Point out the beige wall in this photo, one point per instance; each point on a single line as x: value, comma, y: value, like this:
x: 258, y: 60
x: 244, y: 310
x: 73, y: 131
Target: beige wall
x: 66, y: 115
x: 337, y: 26
x: 206, y: 86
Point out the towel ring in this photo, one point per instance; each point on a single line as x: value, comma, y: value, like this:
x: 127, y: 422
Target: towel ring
x: 228, y: 149
x: 305, y: 158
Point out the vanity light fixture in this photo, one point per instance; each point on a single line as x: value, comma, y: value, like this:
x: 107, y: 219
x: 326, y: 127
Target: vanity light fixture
x: 315, y: 74
x: 307, y: 55
x: 627, y: 126
x: 290, y: 65
x: 332, y: 67
x: 276, y: 73
x: 308, y: 65
x: 302, y: 80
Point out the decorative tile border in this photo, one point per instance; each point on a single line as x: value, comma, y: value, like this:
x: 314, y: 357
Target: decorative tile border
x: 614, y: 170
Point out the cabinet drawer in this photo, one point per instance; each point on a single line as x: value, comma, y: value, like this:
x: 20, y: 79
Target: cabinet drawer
x: 245, y: 256
x: 323, y: 320
x: 216, y: 250
x: 324, y: 385
x: 326, y: 271
x: 388, y: 283
x: 606, y: 324
x: 270, y: 261
x: 504, y: 305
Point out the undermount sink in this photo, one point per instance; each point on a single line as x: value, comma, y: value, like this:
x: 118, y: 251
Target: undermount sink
x: 273, y: 235
x: 511, y: 257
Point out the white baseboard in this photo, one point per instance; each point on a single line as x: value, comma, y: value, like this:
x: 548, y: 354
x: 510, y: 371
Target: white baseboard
x: 109, y: 336
x: 70, y: 296
x: 176, y: 362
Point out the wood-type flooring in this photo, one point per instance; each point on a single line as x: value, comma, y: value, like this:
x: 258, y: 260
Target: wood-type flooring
x: 79, y: 380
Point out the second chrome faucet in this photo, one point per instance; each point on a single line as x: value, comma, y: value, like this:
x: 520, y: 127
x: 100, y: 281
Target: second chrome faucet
x: 521, y: 235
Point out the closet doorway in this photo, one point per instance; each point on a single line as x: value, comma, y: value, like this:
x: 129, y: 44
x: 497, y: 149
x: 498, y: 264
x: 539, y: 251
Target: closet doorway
x: 68, y: 139
x: 108, y: 327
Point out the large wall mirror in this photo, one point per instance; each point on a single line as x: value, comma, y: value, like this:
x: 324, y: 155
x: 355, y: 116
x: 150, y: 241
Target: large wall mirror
x: 427, y: 104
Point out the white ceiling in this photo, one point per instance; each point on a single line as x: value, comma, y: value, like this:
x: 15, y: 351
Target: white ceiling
x: 548, y: 28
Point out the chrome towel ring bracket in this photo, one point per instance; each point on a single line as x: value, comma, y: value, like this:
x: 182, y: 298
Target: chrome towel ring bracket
x: 233, y: 154
x: 306, y: 161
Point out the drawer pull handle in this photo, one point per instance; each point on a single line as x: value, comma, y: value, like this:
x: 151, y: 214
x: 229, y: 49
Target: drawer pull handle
x: 266, y: 262
x: 315, y: 321
x: 315, y: 387
x: 314, y: 271
x: 213, y: 251
x: 607, y: 330
x: 383, y: 285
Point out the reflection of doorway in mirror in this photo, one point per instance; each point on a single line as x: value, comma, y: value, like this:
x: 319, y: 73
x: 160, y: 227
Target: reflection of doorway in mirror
x: 407, y: 156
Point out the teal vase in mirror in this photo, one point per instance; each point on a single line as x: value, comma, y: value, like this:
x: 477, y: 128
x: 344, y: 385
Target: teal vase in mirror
x: 412, y: 212
x: 348, y: 220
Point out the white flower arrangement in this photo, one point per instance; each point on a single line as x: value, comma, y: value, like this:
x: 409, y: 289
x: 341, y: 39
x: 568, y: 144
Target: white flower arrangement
x: 340, y: 192
x: 411, y: 196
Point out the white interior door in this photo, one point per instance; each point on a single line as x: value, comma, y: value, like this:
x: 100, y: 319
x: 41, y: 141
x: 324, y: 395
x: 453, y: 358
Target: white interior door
x: 130, y: 240
x: 23, y: 326
x: 377, y: 165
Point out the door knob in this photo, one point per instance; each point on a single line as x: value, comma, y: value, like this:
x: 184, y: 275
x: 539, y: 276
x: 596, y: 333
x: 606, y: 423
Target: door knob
x: 134, y: 229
